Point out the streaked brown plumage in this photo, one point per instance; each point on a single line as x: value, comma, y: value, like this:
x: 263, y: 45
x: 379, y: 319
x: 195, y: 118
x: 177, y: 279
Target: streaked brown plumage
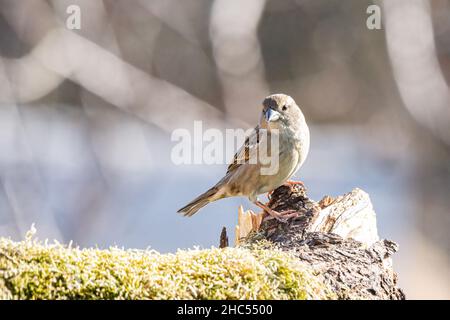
x: 281, y: 119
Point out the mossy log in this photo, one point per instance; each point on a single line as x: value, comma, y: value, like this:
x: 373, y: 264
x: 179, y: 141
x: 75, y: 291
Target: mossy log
x: 330, y: 251
x: 34, y: 270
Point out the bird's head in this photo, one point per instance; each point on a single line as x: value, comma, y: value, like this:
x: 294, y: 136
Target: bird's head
x: 280, y: 111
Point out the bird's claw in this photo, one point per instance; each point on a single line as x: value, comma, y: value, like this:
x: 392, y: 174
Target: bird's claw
x: 284, y: 216
x: 279, y: 219
x: 288, y: 214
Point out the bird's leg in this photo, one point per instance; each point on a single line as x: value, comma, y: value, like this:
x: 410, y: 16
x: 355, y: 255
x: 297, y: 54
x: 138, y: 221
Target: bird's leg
x: 280, y: 216
x: 289, y: 214
x: 273, y: 213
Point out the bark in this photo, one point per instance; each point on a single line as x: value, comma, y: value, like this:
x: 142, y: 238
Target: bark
x: 223, y: 243
x: 337, y: 237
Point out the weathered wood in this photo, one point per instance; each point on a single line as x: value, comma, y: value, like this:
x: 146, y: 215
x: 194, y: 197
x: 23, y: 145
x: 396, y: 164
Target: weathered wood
x: 337, y: 237
x: 350, y: 216
x: 223, y: 243
x: 248, y: 222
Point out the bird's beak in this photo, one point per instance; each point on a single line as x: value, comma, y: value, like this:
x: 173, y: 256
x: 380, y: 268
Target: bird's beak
x: 271, y: 115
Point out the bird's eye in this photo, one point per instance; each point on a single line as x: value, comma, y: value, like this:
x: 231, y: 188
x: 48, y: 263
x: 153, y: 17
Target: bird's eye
x: 284, y: 108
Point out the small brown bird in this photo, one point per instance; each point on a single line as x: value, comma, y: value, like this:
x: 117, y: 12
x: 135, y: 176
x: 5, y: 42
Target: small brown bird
x: 282, y: 121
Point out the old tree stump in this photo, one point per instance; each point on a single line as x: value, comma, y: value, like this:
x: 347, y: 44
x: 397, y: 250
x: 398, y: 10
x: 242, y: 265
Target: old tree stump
x: 337, y: 237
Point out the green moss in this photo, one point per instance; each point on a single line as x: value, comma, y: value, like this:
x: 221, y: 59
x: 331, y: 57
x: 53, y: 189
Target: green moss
x: 33, y: 270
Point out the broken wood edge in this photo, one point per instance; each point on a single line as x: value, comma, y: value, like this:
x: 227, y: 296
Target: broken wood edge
x: 349, y: 216
x: 248, y: 222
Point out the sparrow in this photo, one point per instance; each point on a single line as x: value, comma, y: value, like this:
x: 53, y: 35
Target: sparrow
x: 282, y: 121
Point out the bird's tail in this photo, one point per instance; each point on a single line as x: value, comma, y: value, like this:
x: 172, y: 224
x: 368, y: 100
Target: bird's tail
x: 202, y: 200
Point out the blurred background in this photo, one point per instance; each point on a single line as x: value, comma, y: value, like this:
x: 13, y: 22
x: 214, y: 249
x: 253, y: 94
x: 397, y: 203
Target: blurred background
x: 86, y: 116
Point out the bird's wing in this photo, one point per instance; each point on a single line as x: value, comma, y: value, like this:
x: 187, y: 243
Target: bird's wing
x: 249, y: 148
